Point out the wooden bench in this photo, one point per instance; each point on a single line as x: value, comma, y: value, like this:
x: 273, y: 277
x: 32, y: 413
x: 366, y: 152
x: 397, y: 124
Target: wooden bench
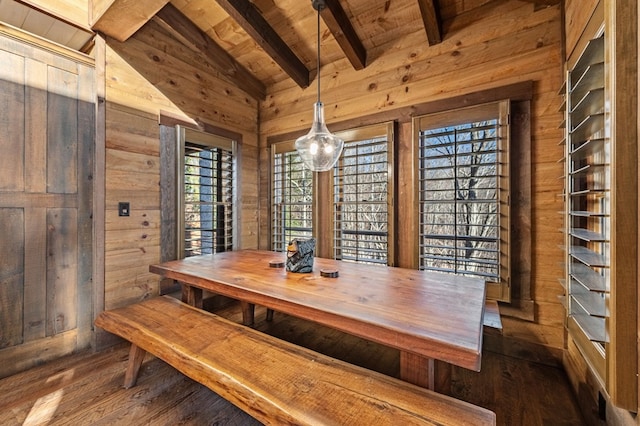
x: 275, y: 381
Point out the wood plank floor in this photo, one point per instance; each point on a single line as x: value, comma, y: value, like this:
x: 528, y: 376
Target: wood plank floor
x: 86, y: 389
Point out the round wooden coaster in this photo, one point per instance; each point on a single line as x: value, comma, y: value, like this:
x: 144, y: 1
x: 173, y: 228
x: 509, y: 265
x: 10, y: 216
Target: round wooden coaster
x: 276, y: 264
x: 329, y: 273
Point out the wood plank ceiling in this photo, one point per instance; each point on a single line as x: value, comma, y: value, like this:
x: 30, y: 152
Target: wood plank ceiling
x: 265, y: 43
x: 44, y: 24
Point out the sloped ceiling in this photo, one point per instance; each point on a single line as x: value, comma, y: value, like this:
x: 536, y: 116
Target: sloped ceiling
x: 266, y: 43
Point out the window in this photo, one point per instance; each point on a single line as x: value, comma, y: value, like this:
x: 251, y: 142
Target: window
x: 362, y: 194
x: 463, y: 193
x: 291, y: 198
x: 207, y: 193
x: 352, y: 202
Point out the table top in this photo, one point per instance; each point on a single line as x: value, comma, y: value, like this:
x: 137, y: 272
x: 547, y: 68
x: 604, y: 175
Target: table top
x: 430, y: 314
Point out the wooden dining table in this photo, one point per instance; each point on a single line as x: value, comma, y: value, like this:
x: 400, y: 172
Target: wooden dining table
x: 435, y: 320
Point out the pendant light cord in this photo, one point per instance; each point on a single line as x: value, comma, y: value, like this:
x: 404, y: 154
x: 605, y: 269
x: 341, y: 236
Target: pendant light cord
x: 318, y: 59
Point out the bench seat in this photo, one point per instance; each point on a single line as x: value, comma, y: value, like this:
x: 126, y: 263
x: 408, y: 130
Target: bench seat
x: 275, y: 381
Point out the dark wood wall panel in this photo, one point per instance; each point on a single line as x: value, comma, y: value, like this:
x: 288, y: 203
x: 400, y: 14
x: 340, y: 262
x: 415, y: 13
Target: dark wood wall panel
x: 62, y: 132
x: 35, y: 276
x: 62, y: 270
x: 11, y: 136
x: 35, y: 132
x: 11, y: 275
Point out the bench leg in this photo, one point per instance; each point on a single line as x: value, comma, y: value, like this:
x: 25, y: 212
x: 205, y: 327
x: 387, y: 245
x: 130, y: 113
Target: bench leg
x: 136, y: 356
x: 425, y: 372
x: 269, y: 314
x: 248, y: 312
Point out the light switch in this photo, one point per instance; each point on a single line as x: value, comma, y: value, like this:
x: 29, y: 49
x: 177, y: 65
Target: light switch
x: 123, y: 209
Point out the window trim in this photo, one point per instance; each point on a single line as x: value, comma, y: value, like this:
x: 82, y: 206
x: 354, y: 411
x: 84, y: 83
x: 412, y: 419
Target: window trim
x: 364, y: 133
x: 282, y: 148
x: 500, y: 110
x: 186, y: 135
x: 168, y: 184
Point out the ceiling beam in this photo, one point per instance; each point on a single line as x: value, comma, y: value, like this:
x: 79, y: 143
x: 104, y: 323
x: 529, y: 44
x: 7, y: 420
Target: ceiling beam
x: 193, y: 37
x: 120, y: 19
x: 431, y: 19
x: 340, y: 26
x: 250, y: 19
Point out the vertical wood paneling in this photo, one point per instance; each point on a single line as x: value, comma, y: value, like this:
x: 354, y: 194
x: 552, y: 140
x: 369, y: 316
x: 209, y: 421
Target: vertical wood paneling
x: 99, y: 198
x: 11, y: 276
x: 407, y: 233
x: 62, y: 270
x: 168, y: 202
x: 62, y: 132
x: 46, y: 190
x: 35, y: 276
x: 86, y: 154
x: 11, y: 136
x: 35, y: 133
x: 521, y: 202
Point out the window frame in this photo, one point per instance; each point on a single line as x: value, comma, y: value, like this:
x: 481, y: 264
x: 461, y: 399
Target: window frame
x: 278, y: 149
x: 186, y: 135
x: 500, y: 291
x: 358, y: 135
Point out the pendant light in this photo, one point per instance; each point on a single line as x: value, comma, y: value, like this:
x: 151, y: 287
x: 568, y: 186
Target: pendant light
x: 319, y: 149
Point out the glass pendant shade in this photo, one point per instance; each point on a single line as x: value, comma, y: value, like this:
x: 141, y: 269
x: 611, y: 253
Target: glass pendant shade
x: 319, y: 149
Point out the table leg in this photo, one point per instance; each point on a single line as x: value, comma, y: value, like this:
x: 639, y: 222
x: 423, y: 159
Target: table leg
x: 248, y: 310
x: 426, y: 372
x: 192, y: 295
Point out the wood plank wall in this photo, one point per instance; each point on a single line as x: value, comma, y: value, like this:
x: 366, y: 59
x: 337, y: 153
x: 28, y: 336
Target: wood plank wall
x: 148, y: 76
x: 46, y: 168
x: 586, y: 385
x: 488, y: 45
